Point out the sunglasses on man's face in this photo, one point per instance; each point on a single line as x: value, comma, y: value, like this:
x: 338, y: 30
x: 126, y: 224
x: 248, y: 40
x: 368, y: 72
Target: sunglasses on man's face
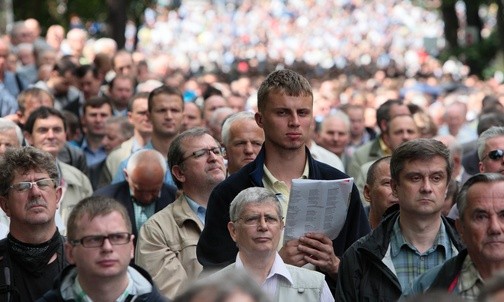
x: 495, y: 154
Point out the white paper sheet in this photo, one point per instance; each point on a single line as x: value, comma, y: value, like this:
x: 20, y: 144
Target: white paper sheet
x: 317, y: 206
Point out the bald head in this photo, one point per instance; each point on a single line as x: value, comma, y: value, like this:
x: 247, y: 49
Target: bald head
x: 145, y: 174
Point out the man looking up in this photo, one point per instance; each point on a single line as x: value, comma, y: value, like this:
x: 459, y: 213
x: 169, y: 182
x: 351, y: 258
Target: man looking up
x: 167, y: 242
x: 32, y: 254
x: 285, y: 103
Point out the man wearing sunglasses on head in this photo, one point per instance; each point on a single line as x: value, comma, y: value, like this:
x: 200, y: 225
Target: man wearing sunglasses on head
x: 32, y: 254
x: 100, y: 247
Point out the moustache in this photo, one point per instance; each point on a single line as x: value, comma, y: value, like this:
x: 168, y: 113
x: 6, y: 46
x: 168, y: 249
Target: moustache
x: 36, y: 203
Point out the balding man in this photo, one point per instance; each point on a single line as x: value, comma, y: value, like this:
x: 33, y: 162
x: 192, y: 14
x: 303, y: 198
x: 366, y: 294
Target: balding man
x: 242, y: 138
x: 143, y: 193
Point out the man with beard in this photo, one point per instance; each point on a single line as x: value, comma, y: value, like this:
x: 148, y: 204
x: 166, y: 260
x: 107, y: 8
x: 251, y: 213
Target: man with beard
x: 32, y: 254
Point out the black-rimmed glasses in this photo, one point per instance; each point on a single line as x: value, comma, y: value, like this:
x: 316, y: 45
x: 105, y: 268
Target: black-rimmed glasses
x: 98, y: 240
x: 219, y: 151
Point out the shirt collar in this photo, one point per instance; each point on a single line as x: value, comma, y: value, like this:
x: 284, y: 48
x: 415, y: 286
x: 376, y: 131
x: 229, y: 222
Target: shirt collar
x: 469, y: 275
x: 198, y: 209
x: 397, y: 240
x: 278, y: 268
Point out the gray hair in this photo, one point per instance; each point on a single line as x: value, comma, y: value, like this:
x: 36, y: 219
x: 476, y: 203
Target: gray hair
x: 22, y: 160
x: 478, y: 178
x: 338, y: 114
x: 6, y: 125
x: 485, y: 136
x: 217, y: 114
x: 226, y: 126
x: 253, y: 195
x: 146, y: 155
x: 126, y: 129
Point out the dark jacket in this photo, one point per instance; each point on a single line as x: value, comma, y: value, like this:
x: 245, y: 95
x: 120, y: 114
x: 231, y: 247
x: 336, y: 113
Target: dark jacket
x: 121, y: 192
x: 216, y: 249
x: 9, y: 291
x: 362, y: 274
x: 55, y: 294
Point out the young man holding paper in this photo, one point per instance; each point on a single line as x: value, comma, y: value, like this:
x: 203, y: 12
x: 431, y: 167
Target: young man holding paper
x: 285, y: 105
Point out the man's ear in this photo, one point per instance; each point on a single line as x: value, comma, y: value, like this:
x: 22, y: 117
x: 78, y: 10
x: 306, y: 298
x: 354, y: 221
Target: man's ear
x: 178, y: 173
x: 460, y: 228
x: 258, y: 118
x: 5, y: 205
x: 393, y: 186
x: 28, y: 137
x: 366, y: 193
x: 69, y: 253
x: 125, y: 172
x: 232, y: 230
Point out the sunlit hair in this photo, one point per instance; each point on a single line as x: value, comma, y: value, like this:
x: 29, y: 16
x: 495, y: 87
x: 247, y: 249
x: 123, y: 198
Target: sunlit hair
x: 253, y: 195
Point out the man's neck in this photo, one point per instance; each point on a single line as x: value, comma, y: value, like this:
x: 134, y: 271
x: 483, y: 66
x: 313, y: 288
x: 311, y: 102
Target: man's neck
x: 420, y: 231
x: 106, y: 289
x: 258, y: 266
x: 488, y: 269
x: 285, y: 165
x: 141, y: 139
x: 33, y: 234
x: 161, y: 144
x: 94, y: 142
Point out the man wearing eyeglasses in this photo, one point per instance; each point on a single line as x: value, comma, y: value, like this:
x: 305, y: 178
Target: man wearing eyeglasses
x: 32, y: 254
x: 256, y: 226
x: 100, y: 247
x: 166, y: 245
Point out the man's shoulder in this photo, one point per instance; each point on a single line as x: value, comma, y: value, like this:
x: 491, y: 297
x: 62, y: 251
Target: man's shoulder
x: 70, y: 172
x: 113, y: 190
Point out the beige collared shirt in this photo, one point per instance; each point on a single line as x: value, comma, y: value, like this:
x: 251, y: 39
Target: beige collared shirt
x: 281, y: 189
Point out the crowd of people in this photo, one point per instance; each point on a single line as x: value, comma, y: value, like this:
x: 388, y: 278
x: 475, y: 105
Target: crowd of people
x: 164, y: 173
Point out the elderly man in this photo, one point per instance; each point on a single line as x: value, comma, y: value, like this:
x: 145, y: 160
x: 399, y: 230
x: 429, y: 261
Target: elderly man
x: 491, y: 155
x: 100, y: 247
x: 167, y: 242
x: 380, y: 266
x: 377, y: 191
x: 143, y: 193
x: 481, y: 204
x: 32, y: 254
x: 256, y: 226
x: 334, y: 135
x: 242, y: 138
x: 11, y: 135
